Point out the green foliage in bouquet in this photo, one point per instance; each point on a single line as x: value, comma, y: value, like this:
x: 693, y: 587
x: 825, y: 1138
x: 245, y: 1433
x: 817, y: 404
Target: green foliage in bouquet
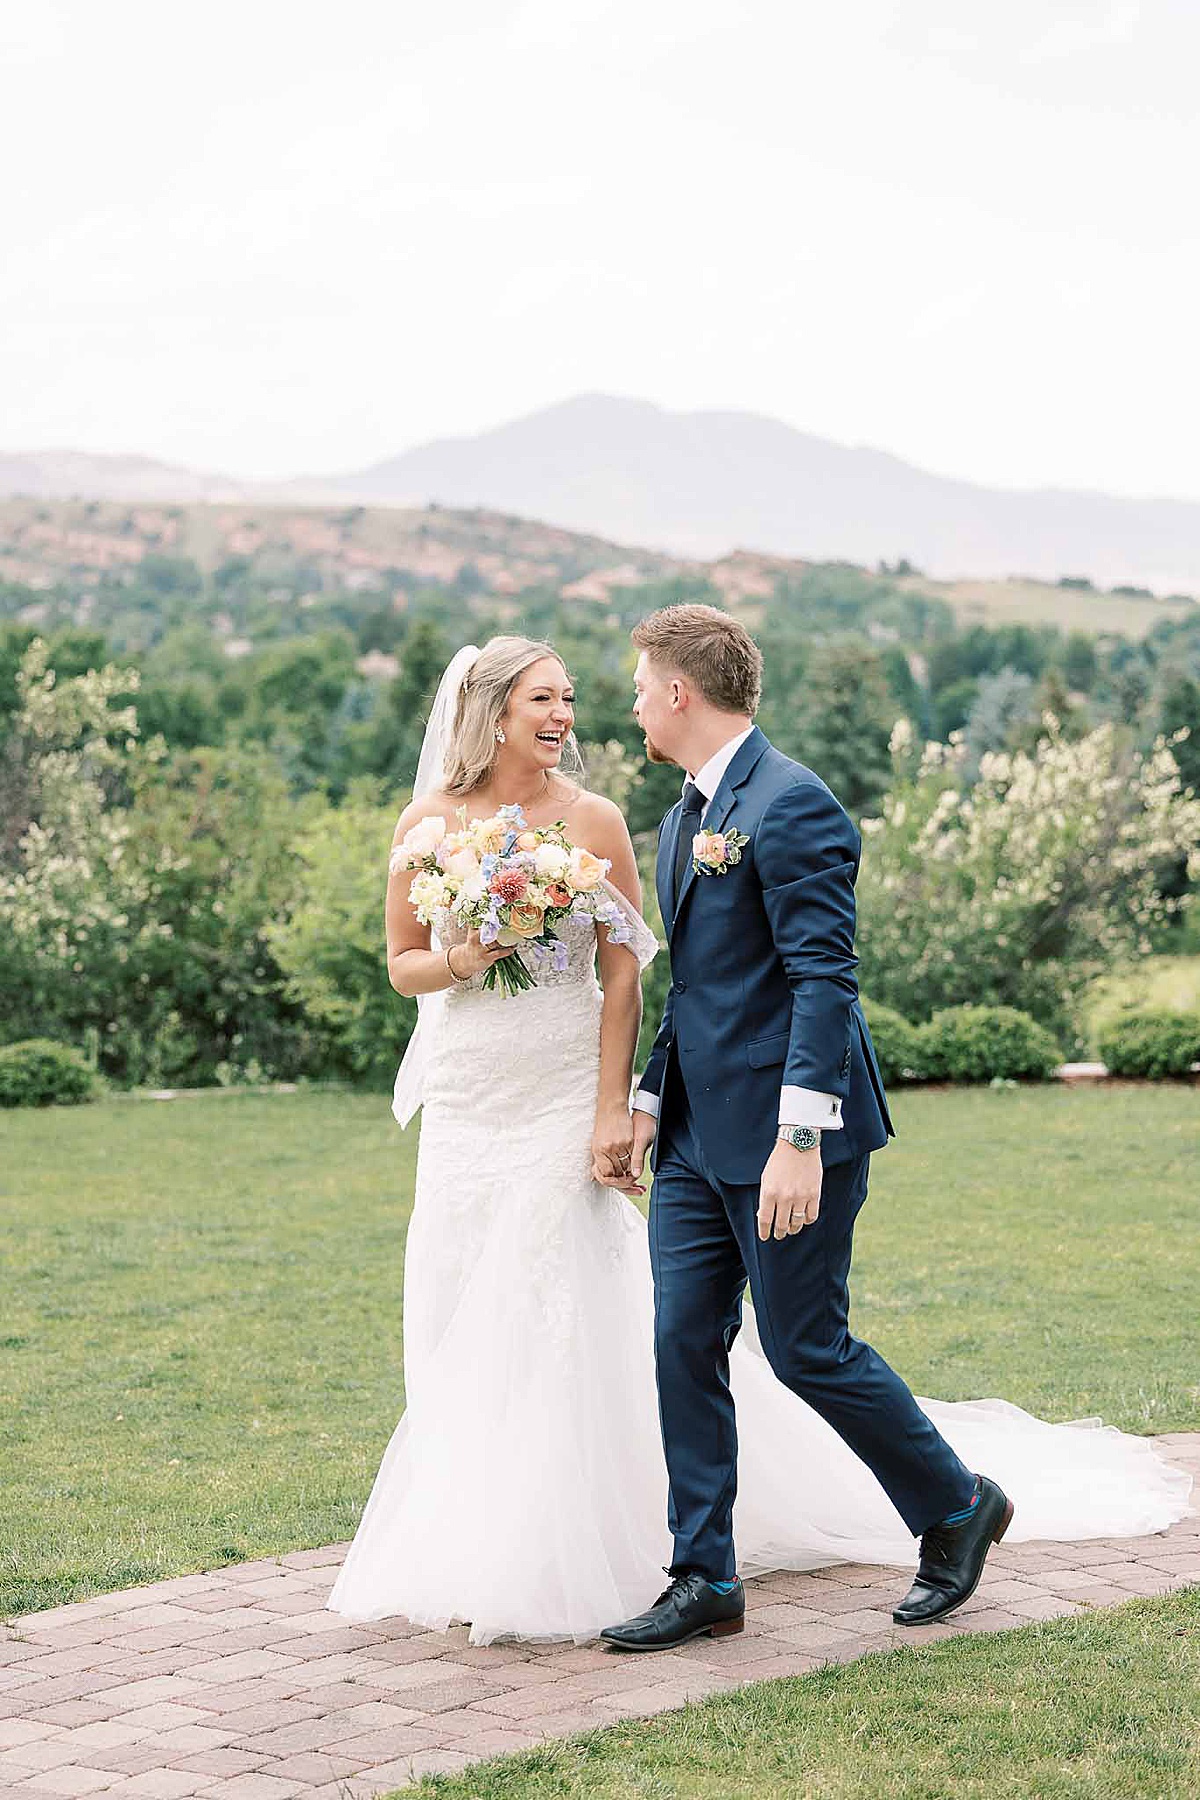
x: 1151, y: 1045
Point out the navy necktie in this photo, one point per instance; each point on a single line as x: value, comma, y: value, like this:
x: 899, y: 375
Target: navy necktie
x: 689, y: 825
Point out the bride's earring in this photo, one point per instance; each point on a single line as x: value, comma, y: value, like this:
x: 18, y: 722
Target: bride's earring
x: 500, y: 737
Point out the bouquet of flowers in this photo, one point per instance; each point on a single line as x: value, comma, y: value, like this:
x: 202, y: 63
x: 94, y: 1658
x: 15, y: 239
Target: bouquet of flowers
x: 511, y: 882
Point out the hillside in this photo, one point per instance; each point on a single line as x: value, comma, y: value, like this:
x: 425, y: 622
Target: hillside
x: 695, y: 486
x: 76, y: 547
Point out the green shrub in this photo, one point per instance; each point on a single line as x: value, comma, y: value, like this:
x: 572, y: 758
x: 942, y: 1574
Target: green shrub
x: 987, y: 1043
x: 39, y: 1072
x: 899, y: 1046
x: 1152, y: 1044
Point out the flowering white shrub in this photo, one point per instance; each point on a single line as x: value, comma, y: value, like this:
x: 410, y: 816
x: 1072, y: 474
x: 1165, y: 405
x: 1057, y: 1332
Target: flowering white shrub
x: 134, y: 885
x: 65, y: 881
x: 1018, y: 890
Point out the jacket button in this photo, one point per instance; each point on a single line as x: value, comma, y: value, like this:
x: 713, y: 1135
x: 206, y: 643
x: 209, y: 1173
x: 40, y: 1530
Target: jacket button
x: 680, y: 984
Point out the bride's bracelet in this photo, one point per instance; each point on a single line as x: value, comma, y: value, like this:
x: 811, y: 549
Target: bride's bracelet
x: 458, y: 980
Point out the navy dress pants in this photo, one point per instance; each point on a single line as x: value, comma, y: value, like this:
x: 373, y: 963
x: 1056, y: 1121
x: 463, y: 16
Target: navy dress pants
x: 704, y: 1247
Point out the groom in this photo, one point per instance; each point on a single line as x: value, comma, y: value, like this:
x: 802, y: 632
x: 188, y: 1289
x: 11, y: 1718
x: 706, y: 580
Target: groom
x: 763, y: 1101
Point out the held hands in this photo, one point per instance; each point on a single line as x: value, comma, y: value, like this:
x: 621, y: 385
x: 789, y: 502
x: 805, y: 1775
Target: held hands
x: 619, y: 1145
x: 789, y: 1197
x: 474, y: 958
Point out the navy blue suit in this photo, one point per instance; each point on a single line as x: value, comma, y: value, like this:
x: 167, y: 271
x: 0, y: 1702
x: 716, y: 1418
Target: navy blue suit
x: 763, y: 995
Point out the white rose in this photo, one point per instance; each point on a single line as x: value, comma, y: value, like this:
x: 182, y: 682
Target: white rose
x: 550, y: 860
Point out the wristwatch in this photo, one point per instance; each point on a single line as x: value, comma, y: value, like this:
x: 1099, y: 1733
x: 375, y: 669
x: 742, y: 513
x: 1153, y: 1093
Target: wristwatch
x: 800, y: 1137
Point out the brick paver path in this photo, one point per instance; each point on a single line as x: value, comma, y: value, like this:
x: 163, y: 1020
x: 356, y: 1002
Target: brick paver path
x: 238, y: 1684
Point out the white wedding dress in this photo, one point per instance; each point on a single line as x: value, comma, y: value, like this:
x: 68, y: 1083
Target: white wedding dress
x: 524, y: 1489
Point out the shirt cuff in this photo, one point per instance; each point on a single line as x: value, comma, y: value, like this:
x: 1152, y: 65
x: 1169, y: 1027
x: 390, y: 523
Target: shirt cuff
x: 805, y: 1106
x: 645, y: 1101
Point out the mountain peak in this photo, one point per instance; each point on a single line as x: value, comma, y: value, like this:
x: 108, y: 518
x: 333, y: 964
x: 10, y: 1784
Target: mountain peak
x: 698, y: 483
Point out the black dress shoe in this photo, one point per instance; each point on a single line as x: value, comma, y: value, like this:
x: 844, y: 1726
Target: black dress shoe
x: 952, y: 1558
x: 688, y: 1608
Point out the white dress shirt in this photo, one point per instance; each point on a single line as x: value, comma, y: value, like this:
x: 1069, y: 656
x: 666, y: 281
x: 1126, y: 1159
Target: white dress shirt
x: 797, y: 1105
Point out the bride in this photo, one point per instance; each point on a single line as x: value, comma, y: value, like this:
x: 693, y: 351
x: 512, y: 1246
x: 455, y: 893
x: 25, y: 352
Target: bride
x: 524, y: 1490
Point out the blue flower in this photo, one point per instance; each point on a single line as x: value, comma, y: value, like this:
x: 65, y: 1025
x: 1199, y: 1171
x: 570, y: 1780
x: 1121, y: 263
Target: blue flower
x: 513, y: 814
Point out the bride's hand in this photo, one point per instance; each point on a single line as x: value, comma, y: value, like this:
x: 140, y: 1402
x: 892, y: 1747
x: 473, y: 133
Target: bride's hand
x: 474, y: 958
x: 612, y: 1150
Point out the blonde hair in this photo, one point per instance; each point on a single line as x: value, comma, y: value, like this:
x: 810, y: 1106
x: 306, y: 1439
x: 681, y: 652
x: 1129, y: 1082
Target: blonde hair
x: 482, y: 703
x: 713, y: 651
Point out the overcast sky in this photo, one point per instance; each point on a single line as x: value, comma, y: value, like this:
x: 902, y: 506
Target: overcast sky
x: 271, y: 236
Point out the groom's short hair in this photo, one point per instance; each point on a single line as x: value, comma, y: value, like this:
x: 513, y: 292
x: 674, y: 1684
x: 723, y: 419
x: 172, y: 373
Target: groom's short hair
x: 710, y: 649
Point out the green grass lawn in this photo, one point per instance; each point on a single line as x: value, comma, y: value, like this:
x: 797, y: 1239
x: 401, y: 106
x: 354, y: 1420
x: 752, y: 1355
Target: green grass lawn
x: 200, y: 1344
x: 1103, y: 1705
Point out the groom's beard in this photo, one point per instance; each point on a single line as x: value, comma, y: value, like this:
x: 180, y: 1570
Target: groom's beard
x: 653, y: 753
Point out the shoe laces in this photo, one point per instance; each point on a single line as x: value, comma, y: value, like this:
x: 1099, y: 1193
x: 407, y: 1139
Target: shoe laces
x: 938, y: 1542
x: 673, y: 1586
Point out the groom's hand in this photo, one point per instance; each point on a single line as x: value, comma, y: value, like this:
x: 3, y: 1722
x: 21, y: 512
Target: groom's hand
x: 613, y: 1154
x: 789, y: 1197
x: 629, y: 1180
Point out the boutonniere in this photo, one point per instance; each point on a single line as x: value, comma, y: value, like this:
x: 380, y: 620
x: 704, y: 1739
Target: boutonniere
x: 715, y: 851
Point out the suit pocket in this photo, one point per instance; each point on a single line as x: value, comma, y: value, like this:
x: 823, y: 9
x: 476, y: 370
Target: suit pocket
x: 763, y: 1052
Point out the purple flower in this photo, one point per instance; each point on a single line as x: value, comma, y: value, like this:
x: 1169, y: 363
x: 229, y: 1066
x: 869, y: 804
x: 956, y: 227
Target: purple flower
x: 609, y: 913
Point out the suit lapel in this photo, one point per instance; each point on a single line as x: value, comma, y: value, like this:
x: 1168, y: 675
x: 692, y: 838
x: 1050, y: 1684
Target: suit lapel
x: 719, y: 809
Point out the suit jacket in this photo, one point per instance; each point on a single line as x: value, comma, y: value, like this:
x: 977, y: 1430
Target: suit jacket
x: 763, y: 992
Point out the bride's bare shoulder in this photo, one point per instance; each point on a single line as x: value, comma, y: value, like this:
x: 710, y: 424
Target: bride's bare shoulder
x: 592, y: 815
x: 429, y: 806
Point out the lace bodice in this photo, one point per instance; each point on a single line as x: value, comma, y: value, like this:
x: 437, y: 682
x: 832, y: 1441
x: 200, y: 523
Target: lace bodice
x: 567, y: 970
x: 571, y: 961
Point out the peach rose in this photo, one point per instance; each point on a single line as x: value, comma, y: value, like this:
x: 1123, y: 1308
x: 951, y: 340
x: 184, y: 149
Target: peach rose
x: 585, y: 871
x: 422, y: 840
x: 523, y: 922
x: 461, y: 864
x: 486, y: 835
x: 527, y: 840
